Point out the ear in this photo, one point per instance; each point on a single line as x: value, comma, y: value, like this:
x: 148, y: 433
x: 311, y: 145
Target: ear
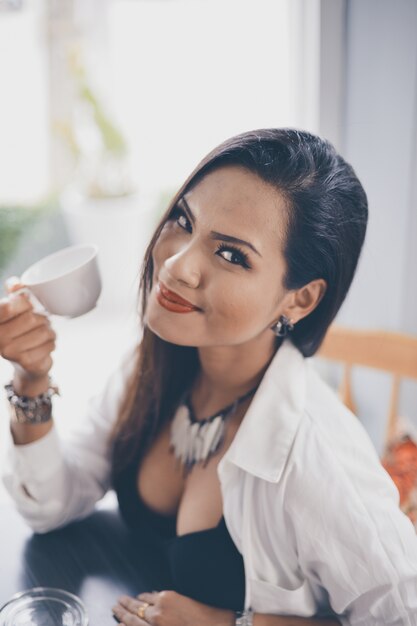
x: 303, y: 301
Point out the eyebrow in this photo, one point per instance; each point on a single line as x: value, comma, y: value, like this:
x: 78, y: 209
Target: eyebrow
x: 214, y: 234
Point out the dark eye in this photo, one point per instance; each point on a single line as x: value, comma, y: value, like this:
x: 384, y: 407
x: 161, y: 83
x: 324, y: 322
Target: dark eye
x: 181, y: 219
x: 233, y: 255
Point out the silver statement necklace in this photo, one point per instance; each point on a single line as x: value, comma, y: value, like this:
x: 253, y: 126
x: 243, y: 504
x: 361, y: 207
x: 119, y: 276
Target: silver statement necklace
x: 194, y: 441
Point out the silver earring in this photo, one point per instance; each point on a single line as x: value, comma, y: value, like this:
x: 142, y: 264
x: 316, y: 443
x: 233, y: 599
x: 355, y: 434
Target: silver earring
x: 282, y: 327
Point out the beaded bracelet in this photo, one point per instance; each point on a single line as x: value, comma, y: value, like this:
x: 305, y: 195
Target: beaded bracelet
x: 27, y: 410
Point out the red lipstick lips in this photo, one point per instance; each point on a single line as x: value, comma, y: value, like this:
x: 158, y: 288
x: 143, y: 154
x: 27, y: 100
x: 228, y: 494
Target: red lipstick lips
x: 172, y: 301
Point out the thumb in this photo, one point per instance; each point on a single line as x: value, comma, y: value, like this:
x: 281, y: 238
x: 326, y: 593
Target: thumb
x: 13, y: 284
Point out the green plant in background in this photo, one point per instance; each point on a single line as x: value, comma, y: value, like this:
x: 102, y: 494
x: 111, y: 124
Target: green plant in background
x: 14, y: 221
x: 113, y: 141
x: 102, y: 168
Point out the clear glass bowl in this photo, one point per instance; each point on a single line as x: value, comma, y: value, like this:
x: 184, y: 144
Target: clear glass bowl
x: 44, y: 606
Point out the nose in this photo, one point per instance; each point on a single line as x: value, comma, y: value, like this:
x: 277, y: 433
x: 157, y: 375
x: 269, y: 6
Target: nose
x: 183, y: 267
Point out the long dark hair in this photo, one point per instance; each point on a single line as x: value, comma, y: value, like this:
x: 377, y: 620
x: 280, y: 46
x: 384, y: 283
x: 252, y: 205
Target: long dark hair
x: 327, y: 217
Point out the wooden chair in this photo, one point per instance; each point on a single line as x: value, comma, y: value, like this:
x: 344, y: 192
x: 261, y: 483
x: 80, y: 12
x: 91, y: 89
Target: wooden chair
x: 391, y: 352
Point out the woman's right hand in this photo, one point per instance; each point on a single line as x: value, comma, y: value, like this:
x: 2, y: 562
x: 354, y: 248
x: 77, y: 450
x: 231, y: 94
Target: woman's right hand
x: 26, y: 338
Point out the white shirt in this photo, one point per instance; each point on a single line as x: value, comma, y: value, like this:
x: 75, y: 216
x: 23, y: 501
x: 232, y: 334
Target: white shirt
x: 305, y: 498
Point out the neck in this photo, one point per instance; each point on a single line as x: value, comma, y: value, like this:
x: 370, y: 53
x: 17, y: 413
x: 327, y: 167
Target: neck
x: 228, y: 372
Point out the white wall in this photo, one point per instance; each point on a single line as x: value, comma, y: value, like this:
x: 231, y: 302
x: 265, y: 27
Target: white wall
x: 379, y: 139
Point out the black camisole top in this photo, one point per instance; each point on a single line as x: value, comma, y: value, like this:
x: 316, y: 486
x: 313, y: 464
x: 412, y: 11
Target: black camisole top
x: 203, y: 565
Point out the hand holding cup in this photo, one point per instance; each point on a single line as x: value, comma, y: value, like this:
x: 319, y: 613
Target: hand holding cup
x: 26, y: 337
x: 65, y: 283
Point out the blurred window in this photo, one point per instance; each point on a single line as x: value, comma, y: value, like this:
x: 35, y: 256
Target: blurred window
x: 187, y: 74
x: 24, y: 124
x: 179, y: 76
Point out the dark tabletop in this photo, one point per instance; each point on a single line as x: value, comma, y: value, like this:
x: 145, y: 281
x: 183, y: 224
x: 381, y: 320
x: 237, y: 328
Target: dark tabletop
x: 98, y: 559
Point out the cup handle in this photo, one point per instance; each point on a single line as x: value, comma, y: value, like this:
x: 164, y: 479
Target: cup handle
x: 37, y: 305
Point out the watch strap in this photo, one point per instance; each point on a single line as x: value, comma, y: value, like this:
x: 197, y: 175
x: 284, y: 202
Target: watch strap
x: 244, y: 618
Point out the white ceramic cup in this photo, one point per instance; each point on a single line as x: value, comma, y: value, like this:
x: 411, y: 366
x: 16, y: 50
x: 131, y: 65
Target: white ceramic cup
x: 66, y: 282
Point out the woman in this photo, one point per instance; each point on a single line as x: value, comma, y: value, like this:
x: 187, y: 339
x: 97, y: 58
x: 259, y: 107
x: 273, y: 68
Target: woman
x: 216, y: 433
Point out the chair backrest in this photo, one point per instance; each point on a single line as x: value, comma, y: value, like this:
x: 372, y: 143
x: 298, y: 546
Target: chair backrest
x: 390, y: 352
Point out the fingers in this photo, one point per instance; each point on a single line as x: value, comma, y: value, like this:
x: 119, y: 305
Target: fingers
x: 13, y: 283
x: 13, y: 306
x: 129, y: 617
x: 28, y: 326
x: 35, y: 338
x: 37, y: 369
x: 27, y: 340
x: 126, y: 610
x: 38, y: 359
x: 147, y: 596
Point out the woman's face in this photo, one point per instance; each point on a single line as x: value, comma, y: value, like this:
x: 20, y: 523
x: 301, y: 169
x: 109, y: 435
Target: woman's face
x: 236, y: 286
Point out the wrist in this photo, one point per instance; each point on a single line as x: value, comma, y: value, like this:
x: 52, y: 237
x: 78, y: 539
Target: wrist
x: 223, y: 617
x: 30, y: 423
x: 27, y: 409
x: 24, y: 385
x: 22, y: 434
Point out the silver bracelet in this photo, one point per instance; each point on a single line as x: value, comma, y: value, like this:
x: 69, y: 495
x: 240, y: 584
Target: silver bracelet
x: 244, y: 618
x: 28, y: 410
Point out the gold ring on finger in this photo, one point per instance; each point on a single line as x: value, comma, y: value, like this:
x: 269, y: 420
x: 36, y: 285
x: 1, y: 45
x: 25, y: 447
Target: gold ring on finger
x: 141, y: 610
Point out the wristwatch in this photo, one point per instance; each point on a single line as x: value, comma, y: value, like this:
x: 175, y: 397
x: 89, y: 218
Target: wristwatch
x: 26, y: 410
x: 244, y: 618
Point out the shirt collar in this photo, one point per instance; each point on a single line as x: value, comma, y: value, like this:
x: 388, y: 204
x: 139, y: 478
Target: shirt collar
x: 263, y: 441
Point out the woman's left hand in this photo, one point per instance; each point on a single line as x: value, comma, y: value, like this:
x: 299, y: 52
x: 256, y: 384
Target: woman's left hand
x: 168, y: 608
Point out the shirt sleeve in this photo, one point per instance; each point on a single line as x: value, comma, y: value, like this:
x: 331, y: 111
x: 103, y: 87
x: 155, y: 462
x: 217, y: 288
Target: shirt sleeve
x: 352, y: 538
x: 54, y: 481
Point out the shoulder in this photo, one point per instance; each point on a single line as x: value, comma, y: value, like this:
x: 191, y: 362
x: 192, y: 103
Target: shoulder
x: 333, y: 453
x: 334, y: 427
